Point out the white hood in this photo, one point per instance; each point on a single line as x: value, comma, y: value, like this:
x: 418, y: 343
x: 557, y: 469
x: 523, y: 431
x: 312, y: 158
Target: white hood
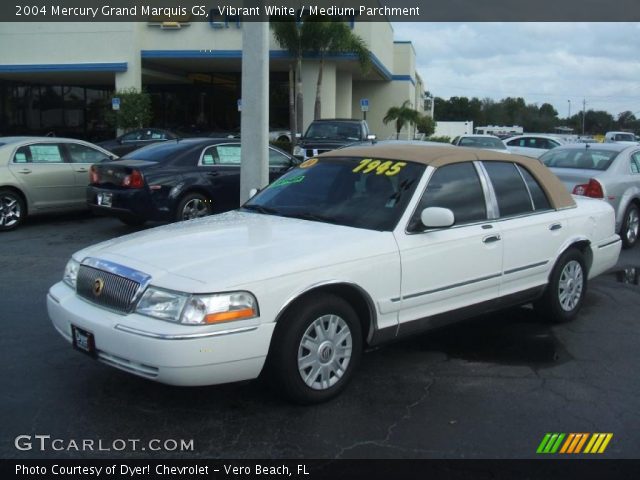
x: 235, y: 248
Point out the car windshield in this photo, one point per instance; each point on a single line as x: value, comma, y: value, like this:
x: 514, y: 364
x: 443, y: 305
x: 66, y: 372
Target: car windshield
x: 158, y: 152
x: 582, y: 158
x: 333, y: 131
x: 482, y: 142
x: 354, y: 192
x: 624, y: 137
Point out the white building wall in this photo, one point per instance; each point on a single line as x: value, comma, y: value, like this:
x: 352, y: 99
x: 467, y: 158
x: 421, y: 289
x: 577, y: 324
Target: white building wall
x: 344, y: 94
x: 382, y: 96
x: 327, y: 92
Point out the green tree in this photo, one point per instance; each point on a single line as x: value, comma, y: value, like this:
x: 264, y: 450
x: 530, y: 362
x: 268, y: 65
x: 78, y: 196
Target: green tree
x: 135, y: 110
x: 326, y: 37
x: 403, y: 115
x: 426, y: 125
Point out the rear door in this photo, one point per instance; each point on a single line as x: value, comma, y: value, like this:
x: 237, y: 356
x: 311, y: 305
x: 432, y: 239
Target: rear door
x: 81, y: 157
x: 220, y: 171
x: 532, y: 232
x: 46, y: 177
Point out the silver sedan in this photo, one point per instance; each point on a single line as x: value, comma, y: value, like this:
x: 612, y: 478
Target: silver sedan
x: 44, y: 174
x: 607, y: 171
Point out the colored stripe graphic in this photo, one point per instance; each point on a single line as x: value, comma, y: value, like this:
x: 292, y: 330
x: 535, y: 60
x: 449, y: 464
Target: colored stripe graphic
x: 573, y: 443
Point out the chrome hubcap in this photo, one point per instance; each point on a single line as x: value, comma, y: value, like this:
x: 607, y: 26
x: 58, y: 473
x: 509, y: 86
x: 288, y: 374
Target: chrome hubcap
x: 633, y: 223
x: 195, y: 208
x: 10, y: 211
x: 325, y: 352
x: 570, y: 288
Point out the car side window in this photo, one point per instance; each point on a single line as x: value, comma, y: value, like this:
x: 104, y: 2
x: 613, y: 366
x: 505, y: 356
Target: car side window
x: 515, y: 142
x: 511, y: 192
x: 157, y: 135
x: 635, y: 163
x: 84, y: 154
x: 39, y: 153
x: 132, y: 136
x: 540, y: 200
x: 210, y: 156
x: 222, y: 155
x: 456, y: 187
x: 277, y: 159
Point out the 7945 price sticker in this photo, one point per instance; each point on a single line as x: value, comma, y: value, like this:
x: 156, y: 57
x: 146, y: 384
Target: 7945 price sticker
x: 388, y: 168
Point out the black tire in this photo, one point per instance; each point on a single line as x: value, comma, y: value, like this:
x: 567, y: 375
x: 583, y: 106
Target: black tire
x: 286, y: 349
x: 630, y: 229
x: 132, y: 221
x: 553, y: 307
x: 193, y: 205
x: 13, y: 210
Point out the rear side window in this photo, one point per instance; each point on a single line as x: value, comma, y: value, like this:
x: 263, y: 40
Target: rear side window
x: 635, y: 163
x: 39, y: 153
x: 511, y: 192
x: 456, y: 187
x: 540, y: 200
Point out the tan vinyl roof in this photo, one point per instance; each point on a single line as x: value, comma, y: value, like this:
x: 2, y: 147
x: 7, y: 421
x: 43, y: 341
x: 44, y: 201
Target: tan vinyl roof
x: 437, y: 156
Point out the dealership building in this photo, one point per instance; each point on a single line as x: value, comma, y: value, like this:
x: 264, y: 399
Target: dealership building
x: 60, y: 77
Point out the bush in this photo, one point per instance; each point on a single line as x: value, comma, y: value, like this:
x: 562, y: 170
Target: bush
x: 426, y: 125
x: 442, y: 139
x: 135, y: 110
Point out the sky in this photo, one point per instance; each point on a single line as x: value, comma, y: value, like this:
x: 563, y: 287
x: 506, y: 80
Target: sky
x: 541, y: 62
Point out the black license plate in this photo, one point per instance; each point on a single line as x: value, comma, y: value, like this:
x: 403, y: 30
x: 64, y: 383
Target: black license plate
x: 104, y: 199
x: 83, y: 341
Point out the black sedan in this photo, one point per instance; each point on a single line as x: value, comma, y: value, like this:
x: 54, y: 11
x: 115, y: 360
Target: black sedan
x: 174, y: 180
x: 136, y: 139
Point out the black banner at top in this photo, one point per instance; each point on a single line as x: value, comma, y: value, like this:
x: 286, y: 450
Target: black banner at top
x: 184, y: 11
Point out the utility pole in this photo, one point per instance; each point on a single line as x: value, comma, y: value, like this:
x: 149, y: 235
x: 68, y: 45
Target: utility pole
x: 584, y: 111
x: 254, y: 119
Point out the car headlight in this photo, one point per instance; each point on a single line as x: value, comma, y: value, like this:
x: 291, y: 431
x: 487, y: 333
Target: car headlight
x: 70, y: 276
x: 197, y: 309
x: 162, y: 304
x: 298, y: 151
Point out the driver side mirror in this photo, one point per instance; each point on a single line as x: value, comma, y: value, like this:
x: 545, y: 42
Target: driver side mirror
x: 371, y: 137
x: 437, y: 217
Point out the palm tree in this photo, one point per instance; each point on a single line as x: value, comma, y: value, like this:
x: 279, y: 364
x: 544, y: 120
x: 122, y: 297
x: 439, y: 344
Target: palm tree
x: 332, y: 37
x: 402, y: 115
x: 289, y: 36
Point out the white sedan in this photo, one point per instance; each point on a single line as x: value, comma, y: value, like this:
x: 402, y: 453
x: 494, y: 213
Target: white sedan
x: 351, y: 249
x: 532, y: 145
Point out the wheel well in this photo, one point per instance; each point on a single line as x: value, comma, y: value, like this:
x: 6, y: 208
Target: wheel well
x: 584, y: 246
x: 353, y: 295
x: 18, y: 192
x: 199, y: 190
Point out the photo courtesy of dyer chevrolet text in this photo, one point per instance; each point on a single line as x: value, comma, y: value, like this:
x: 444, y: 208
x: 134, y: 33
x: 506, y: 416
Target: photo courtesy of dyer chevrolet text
x: 160, y: 469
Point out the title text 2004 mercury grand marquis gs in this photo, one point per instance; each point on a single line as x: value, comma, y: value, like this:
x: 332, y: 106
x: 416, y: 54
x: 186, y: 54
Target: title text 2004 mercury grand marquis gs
x: 352, y: 248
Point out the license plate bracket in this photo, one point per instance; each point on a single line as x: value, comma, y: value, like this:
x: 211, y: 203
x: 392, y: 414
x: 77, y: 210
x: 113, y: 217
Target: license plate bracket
x: 104, y: 199
x: 83, y: 341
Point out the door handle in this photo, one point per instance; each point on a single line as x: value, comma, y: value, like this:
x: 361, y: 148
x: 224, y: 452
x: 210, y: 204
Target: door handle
x: 491, y: 239
x: 24, y: 170
x: 213, y: 174
x: 555, y: 226
x: 82, y: 170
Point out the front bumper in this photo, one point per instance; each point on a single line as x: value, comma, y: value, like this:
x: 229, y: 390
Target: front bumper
x: 162, y: 351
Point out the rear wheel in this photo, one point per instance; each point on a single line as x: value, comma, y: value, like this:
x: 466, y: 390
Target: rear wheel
x: 12, y: 210
x: 566, y: 289
x: 630, y: 226
x: 193, y: 205
x: 316, y: 349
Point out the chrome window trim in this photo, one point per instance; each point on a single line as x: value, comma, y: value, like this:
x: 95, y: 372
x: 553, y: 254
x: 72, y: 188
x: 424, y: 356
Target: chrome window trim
x: 533, y: 205
x: 494, y: 211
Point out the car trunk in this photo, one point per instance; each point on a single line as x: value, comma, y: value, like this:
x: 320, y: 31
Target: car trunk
x: 571, y: 177
x: 113, y: 174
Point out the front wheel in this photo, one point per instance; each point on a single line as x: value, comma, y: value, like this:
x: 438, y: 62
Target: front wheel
x: 316, y: 349
x: 630, y: 226
x: 566, y: 289
x: 12, y: 210
x: 193, y: 205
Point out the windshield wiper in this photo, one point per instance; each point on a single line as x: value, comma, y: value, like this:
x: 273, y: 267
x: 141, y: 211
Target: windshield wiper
x: 262, y: 209
x: 312, y: 216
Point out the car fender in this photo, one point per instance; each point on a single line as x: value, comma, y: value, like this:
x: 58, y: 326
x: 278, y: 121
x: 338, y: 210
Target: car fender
x: 630, y: 194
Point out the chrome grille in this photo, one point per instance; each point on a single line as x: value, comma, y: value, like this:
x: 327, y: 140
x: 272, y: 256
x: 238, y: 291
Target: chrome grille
x: 119, y: 285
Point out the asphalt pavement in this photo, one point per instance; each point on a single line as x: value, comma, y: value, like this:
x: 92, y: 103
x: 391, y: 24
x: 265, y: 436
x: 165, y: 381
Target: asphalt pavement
x: 489, y: 388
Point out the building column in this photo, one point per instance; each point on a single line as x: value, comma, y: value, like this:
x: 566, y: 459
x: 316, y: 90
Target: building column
x: 344, y: 93
x: 327, y: 94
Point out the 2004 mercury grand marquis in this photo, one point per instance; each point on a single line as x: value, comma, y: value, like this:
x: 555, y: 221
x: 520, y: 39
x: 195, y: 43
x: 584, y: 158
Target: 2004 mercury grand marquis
x: 352, y: 248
